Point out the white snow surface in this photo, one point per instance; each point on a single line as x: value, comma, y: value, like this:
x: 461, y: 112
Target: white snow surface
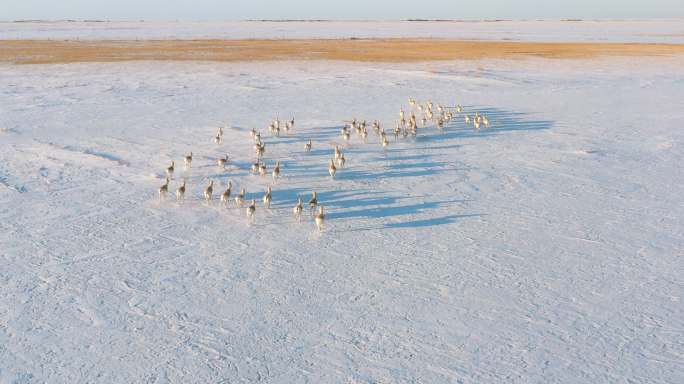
x: 630, y: 31
x: 545, y: 249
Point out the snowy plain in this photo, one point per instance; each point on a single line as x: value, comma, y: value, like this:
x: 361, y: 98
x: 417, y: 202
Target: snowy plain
x: 547, y: 248
x: 626, y: 31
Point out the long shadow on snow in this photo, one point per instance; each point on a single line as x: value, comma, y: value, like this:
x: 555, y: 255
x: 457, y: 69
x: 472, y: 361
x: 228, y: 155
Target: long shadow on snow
x: 443, y: 220
x: 501, y: 121
x: 429, y: 222
x: 389, y: 211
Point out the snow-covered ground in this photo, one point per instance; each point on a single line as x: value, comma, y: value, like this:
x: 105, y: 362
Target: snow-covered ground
x: 630, y: 31
x: 545, y: 249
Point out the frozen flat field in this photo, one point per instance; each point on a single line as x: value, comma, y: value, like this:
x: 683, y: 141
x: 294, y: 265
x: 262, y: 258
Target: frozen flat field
x: 545, y: 249
x: 627, y: 31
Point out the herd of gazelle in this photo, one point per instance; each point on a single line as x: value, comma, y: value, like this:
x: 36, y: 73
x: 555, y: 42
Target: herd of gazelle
x: 406, y: 125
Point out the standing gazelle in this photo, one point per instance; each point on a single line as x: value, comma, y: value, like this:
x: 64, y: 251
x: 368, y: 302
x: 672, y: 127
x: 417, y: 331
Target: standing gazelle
x: 226, y: 194
x: 169, y: 170
x: 250, y: 212
x: 332, y: 169
x: 240, y: 198
x: 267, y: 197
x: 164, y: 189
x: 222, y: 161
x: 180, y: 192
x: 209, y: 190
x: 341, y: 161
x: 260, y: 148
x: 320, y: 217
x: 297, y: 210
x: 276, y: 171
x: 313, y: 202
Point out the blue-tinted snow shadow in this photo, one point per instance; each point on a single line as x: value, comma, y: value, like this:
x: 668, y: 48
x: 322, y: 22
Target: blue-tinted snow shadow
x: 386, y: 210
x: 501, y: 121
x: 443, y: 220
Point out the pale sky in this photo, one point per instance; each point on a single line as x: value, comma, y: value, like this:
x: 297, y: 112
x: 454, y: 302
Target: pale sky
x: 335, y: 9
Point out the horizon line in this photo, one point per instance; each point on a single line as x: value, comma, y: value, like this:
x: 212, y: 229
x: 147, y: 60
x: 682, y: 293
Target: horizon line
x: 323, y: 20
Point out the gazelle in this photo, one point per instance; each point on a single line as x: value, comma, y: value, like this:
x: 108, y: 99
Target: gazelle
x: 260, y: 149
x: 331, y: 168
x: 314, y: 200
x: 262, y: 169
x: 338, y: 152
x: 169, y: 170
x: 222, y: 161
x: 307, y: 146
x: 226, y: 194
x: 240, y: 198
x: 297, y: 210
x: 250, y: 211
x: 180, y: 192
x: 320, y: 217
x: 188, y: 160
x: 345, y: 135
x: 267, y: 197
x: 276, y: 171
x: 255, y: 167
x: 289, y: 125
x: 341, y: 161
x: 209, y: 190
x: 164, y: 189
